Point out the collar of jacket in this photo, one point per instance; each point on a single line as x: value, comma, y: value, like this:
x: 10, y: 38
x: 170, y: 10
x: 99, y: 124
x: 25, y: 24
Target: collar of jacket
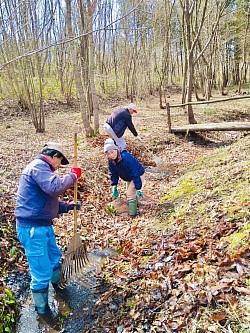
x: 44, y: 158
x: 118, y: 158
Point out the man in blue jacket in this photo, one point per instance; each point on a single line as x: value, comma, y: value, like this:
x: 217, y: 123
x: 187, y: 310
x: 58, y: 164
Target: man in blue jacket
x: 37, y: 205
x: 125, y: 166
x: 118, y: 122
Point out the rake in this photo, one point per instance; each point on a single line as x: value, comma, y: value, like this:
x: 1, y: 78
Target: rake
x: 76, y: 257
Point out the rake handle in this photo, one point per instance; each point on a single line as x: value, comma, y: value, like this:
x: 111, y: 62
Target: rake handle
x: 75, y: 184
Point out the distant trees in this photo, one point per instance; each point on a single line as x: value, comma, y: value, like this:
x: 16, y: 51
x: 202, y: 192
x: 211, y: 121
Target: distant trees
x: 244, y: 42
x: 91, y: 48
x: 82, y: 58
x: 200, y: 23
x: 26, y: 27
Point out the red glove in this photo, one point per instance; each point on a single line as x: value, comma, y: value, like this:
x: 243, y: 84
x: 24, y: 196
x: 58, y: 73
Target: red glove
x: 77, y: 171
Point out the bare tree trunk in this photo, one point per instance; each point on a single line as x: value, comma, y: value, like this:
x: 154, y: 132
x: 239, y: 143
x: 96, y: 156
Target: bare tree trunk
x: 26, y: 32
x: 184, y: 62
x: 194, y: 18
x: 87, y: 56
x: 77, y: 74
x: 244, y: 53
x: 190, y: 62
x: 93, y: 89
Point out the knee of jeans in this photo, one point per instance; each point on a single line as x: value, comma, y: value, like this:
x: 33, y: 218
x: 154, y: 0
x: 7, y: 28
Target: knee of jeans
x: 38, y: 285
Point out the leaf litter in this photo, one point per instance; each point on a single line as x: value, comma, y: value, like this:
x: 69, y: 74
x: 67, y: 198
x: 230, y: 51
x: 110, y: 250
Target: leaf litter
x: 183, y: 264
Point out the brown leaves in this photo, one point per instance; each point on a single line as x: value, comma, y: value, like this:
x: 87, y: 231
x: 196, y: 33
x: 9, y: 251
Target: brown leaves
x: 183, y: 271
x: 11, y: 251
x: 161, y: 280
x: 219, y: 316
x: 243, y: 290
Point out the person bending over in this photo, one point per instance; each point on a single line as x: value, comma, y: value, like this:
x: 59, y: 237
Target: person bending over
x: 125, y: 166
x: 118, y: 122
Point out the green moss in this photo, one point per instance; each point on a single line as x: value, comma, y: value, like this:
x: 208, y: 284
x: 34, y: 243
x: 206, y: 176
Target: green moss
x: 211, y: 161
x: 238, y: 239
x: 208, y: 112
x: 131, y: 303
x: 242, y: 197
x: 201, y: 209
x: 111, y: 210
x: 187, y: 187
x: 159, y: 225
x: 237, y: 212
x: 125, y: 267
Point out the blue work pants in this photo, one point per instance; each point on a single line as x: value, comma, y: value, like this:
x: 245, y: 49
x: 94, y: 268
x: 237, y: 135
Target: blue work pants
x: 42, y: 253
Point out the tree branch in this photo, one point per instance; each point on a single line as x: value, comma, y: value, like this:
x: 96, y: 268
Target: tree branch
x: 65, y: 41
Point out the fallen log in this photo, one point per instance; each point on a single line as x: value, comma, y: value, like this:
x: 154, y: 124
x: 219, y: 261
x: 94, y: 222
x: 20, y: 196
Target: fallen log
x: 226, y: 126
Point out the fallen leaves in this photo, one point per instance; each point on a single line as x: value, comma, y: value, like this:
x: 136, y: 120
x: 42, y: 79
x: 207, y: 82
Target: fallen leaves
x: 161, y: 280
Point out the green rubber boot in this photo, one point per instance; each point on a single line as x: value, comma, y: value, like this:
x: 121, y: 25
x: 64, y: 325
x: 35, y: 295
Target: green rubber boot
x: 132, y: 205
x: 40, y: 298
x: 55, y: 277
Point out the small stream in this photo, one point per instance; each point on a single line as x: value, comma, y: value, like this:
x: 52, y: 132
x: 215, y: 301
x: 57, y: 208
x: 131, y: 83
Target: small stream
x: 74, y: 304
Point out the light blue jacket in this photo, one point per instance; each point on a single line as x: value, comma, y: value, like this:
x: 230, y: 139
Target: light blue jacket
x: 37, y: 201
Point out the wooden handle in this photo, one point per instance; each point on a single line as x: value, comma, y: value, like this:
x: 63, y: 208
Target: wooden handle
x: 75, y: 184
x: 75, y: 150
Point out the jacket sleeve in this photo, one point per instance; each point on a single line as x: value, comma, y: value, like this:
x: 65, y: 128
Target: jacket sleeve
x: 50, y: 183
x: 113, y: 175
x: 131, y: 126
x: 63, y: 207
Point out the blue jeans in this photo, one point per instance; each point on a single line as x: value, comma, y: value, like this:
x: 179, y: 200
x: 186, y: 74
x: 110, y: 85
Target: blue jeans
x: 42, y: 253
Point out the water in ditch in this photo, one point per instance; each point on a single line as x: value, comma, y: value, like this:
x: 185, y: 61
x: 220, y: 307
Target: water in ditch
x: 70, y: 309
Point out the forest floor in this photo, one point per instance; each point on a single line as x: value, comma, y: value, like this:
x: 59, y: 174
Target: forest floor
x: 183, y: 264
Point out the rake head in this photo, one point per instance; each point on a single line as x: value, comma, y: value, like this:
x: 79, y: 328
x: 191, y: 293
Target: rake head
x: 76, y: 258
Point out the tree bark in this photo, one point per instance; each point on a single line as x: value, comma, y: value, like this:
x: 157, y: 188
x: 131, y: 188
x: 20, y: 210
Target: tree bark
x: 77, y: 73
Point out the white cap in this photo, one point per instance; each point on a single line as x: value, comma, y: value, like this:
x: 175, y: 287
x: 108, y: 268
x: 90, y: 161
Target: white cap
x: 109, y: 144
x: 133, y: 107
x: 58, y: 147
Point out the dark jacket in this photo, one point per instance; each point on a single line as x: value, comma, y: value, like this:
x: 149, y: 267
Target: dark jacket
x: 37, y: 201
x: 127, y: 168
x: 119, y: 120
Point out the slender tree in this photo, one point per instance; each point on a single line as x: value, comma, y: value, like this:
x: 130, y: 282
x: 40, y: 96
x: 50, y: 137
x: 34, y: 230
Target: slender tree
x: 77, y: 73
